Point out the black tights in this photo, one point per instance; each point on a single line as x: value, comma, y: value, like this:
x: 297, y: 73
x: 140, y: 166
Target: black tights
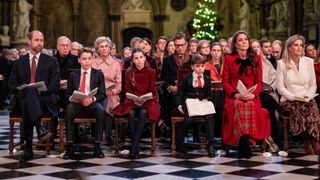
x: 137, y: 118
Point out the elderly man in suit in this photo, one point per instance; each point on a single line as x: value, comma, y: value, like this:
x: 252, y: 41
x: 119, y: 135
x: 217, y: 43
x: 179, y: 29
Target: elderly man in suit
x: 31, y: 68
x: 85, y: 80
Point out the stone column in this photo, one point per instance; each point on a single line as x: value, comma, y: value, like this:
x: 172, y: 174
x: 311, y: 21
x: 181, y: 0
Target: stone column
x: 158, y: 30
x: 115, y: 31
x: 12, y: 12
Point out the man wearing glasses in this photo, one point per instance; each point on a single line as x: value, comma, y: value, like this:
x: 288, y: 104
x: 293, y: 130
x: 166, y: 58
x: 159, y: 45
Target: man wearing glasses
x: 179, y: 60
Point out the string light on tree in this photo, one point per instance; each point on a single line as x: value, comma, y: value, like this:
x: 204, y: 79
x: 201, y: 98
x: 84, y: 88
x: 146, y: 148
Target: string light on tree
x: 205, y: 20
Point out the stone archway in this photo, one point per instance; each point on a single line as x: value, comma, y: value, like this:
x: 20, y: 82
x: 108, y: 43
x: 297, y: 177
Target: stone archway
x: 131, y: 32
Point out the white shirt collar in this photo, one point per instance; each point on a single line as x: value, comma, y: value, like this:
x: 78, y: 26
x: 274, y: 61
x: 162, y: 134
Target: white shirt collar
x: 88, y: 71
x: 37, y: 56
x: 195, y: 75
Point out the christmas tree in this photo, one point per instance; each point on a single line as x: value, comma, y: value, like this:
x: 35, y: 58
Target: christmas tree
x: 205, y: 20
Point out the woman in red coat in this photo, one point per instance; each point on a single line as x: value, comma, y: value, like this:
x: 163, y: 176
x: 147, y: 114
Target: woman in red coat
x: 140, y: 80
x: 243, y: 116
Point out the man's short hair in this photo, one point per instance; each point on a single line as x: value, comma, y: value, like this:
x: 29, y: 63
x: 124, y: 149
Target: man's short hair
x: 193, y: 40
x: 263, y: 41
x: 63, y: 38
x: 179, y: 35
x: 162, y: 37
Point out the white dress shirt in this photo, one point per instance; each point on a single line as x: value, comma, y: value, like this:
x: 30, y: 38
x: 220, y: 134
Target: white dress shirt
x: 195, y: 79
x: 87, y: 88
x: 30, y: 59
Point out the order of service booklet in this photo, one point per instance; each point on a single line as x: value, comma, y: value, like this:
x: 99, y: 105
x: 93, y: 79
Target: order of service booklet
x: 79, y: 96
x: 139, y: 98
x: 196, y: 107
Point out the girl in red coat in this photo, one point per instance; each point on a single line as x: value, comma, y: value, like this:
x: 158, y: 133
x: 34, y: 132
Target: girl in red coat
x: 243, y: 116
x: 139, y: 80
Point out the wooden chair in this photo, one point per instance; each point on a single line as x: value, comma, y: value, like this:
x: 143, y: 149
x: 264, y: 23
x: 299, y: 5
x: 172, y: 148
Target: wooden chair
x: 16, y: 117
x: 176, y: 116
x: 119, y: 121
x: 83, y: 117
x: 123, y: 120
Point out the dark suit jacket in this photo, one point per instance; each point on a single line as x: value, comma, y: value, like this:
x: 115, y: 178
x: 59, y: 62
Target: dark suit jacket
x: 96, y: 80
x: 67, y: 64
x: 170, y: 70
x: 186, y: 89
x: 47, y: 71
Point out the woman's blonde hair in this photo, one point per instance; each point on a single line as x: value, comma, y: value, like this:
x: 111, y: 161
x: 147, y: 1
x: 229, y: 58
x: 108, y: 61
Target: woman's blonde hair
x: 286, y: 56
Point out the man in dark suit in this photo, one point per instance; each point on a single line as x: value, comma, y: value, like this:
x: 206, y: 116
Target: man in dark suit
x: 85, y: 80
x: 195, y: 86
x: 171, y: 64
x: 31, y: 68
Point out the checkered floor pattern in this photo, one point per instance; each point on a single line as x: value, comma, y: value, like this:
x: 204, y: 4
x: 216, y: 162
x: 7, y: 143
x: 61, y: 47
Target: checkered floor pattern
x: 194, y: 165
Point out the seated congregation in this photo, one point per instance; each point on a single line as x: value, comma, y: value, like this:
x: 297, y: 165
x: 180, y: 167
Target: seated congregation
x: 141, y: 91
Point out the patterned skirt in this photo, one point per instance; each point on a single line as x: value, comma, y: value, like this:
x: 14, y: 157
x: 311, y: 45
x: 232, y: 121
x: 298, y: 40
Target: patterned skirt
x: 244, y: 118
x: 302, y: 117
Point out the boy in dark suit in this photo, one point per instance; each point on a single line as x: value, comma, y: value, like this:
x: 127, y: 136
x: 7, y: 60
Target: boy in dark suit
x: 85, y: 80
x: 195, y: 85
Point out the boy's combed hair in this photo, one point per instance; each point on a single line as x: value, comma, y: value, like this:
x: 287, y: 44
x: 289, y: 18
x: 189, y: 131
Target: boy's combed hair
x: 198, y: 59
x: 85, y: 50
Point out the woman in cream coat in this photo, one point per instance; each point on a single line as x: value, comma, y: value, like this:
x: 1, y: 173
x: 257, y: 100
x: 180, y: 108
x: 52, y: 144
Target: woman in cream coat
x: 297, y: 84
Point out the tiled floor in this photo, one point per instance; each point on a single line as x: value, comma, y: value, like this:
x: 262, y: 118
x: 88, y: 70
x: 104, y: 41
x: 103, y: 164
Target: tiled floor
x: 164, y: 165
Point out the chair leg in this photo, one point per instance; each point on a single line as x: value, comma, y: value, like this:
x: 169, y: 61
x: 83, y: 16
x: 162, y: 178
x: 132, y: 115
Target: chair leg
x: 153, y: 140
x: 21, y: 136
x: 11, y: 137
x: 117, y: 136
x: 61, y: 135
x: 286, y: 144
x: 173, y: 136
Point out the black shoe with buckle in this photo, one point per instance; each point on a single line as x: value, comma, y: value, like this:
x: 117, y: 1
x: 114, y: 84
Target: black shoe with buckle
x: 70, y: 152
x: 27, y: 154
x: 43, y: 134
x: 97, y: 152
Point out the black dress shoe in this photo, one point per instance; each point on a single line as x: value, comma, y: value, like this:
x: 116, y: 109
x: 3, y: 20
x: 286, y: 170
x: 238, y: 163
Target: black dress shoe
x: 181, y: 148
x: 244, y: 149
x: 43, y: 134
x: 69, y: 153
x: 97, y: 152
x: 211, y: 152
x: 27, y: 154
x: 133, y: 155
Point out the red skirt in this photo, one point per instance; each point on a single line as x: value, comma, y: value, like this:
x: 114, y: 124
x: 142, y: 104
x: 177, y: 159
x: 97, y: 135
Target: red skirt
x: 153, y: 109
x: 232, y: 130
